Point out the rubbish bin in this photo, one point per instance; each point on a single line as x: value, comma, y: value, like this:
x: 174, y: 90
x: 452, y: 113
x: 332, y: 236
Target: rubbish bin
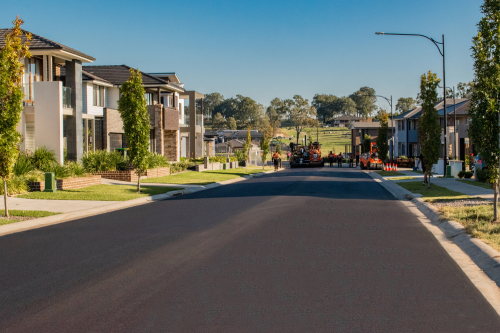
x: 50, y: 182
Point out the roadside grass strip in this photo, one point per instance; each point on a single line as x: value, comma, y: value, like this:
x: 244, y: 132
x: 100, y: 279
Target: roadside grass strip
x: 101, y: 193
x: 475, y: 183
x: 402, y: 178
x: 389, y: 173
x: 206, y: 177
x: 22, y: 215
x: 435, y: 193
x: 476, y: 221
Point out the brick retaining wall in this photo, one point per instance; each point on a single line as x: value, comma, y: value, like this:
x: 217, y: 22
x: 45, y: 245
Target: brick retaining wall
x: 131, y: 176
x: 68, y: 183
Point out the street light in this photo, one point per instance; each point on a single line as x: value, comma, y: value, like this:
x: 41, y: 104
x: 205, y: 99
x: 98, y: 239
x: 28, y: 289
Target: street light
x: 441, y: 52
x: 392, y: 119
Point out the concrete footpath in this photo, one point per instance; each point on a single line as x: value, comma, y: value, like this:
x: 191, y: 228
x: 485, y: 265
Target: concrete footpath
x: 76, y: 209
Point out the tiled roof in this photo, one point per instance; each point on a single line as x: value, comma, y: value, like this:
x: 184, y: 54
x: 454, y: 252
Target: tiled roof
x: 369, y: 124
x: 41, y: 43
x: 86, y: 76
x: 118, y: 74
x: 462, y: 105
x: 408, y: 114
x: 463, y: 109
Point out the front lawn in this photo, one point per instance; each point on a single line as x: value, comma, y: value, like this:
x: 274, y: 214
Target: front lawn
x: 475, y: 183
x: 206, y: 177
x: 435, y: 193
x: 101, y: 193
x: 22, y: 215
x: 476, y: 220
x: 389, y: 173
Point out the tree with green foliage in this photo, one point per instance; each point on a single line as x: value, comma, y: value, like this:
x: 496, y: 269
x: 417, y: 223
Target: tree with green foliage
x: 429, y: 130
x: 264, y: 146
x: 365, y: 101
x: 367, y: 141
x: 11, y: 99
x: 383, y: 132
x: 134, y: 113
x: 485, y: 100
x: 246, y: 148
x: 302, y: 115
x: 218, y: 122
x: 231, y: 123
x: 464, y: 89
x: 405, y: 104
x: 210, y: 101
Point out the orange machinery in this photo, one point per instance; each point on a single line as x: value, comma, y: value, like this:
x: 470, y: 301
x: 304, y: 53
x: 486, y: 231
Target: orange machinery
x: 370, y: 161
x: 315, y: 155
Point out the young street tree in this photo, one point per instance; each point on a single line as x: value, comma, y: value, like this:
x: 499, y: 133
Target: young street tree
x: 429, y: 131
x: 484, y: 108
x: 134, y: 113
x: 367, y: 140
x: 246, y: 148
x: 383, y: 132
x: 302, y: 115
x: 11, y: 99
x: 264, y: 146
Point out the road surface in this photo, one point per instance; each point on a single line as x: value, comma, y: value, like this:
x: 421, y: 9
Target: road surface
x: 304, y: 250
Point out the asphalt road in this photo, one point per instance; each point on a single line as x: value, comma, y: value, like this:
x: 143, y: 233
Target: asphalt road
x: 304, y: 250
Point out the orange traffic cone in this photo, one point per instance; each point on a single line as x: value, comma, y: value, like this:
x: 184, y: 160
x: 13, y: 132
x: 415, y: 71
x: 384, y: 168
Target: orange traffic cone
x: 385, y: 167
x: 396, y: 167
x: 392, y: 167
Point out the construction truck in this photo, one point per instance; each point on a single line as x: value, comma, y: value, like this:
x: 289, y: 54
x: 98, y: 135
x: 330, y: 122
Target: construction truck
x: 306, y: 155
x: 370, y: 161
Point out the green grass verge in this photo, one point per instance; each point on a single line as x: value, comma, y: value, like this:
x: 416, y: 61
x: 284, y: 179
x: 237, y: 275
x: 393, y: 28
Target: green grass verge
x: 435, y: 193
x: 402, y: 178
x: 477, y: 222
x: 101, y: 193
x: 22, y: 213
x: 205, y: 177
x: 478, y: 184
x: 389, y: 173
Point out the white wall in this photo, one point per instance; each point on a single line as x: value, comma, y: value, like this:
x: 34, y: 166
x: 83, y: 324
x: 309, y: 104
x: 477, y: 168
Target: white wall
x: 49, y: 117
x: 112, y: 96
x: 88, y: 100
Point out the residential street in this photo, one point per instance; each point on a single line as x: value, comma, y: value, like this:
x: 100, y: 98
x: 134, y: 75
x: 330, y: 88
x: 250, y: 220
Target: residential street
x: 302, y: 250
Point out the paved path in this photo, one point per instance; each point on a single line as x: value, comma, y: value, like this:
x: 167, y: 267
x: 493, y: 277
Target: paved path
x: 323, y: 250
x: 56, y: 206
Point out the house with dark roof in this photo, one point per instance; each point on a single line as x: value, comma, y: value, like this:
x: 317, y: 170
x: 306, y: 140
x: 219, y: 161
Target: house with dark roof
x: 53, y: 108
x: 406, y: 128
x: 344, y: 120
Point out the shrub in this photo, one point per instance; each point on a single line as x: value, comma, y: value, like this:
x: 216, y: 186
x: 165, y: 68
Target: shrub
x: 102, y: 160
x: 403, y: 157
x: 75, y: 169
x: 43, y: 159
x: 15, y: 185
x: 157, y: 161
x: 220, y: 159
x: 35, y: 176
x: 183, y: 159
x: 233, y: 159
x: 240, y: 155
x: 461, y: 174
x: 23, y: 164
x: 482, y: 176
x: 468, y: 174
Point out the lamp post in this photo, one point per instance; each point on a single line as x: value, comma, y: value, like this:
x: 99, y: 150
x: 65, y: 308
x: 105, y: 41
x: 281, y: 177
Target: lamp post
x: 392, y: 119
x: 441, y: 52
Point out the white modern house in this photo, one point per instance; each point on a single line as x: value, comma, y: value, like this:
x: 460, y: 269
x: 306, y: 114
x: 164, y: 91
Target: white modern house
x: 52, y: 114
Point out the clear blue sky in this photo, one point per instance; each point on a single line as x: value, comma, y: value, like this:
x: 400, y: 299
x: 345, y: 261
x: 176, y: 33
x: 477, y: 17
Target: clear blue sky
x: 266, y: 48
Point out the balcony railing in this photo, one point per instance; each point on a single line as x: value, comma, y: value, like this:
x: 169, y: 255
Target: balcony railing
x: 29, y: 94
x: 199, y: 119
x: 66, y: 97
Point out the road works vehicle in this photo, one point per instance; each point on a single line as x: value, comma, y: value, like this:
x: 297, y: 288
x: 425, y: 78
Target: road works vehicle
x: 370, y: 160
x: 306, y: 155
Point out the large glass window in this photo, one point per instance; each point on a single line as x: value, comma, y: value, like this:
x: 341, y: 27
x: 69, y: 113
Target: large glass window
x: 149, y: 98
x: 32, y: 73
x: 98, y: 95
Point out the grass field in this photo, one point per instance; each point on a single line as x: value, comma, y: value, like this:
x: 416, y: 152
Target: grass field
x: 101, y: 193
x: 23, y: 214
x: 435, y: 193
x: 402, y: 178
x: 206, y: 177
x: 330, y: 138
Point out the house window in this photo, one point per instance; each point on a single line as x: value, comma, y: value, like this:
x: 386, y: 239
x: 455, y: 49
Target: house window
x: 98, y: 96
x: 32, y: 73
x: 149, y: 98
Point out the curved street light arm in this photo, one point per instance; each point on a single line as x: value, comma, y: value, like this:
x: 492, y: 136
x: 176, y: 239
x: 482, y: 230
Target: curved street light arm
x: 418, y: 35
